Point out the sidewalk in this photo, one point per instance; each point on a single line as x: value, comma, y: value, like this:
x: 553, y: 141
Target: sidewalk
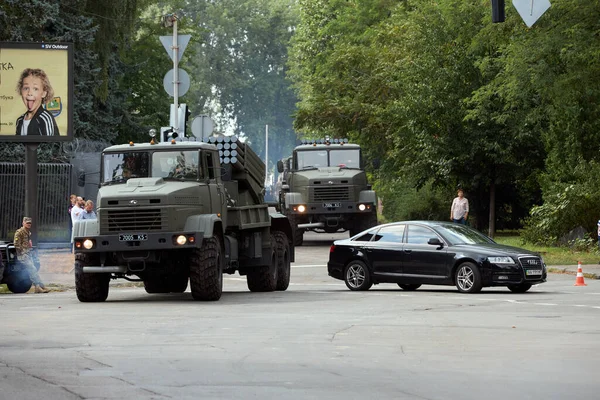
x: 58, y: 263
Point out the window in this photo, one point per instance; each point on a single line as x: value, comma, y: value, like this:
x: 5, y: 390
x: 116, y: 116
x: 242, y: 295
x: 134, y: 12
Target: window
x: 419, y: 234
x: 344, y: 158
x: 119, y: 167
x: 365, y: 237
x: 393, y: 234
x: 176, y: 164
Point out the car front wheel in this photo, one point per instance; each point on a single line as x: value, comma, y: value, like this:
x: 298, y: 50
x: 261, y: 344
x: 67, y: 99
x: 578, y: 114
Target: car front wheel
x: 357, y: 276
x: 468, y: 278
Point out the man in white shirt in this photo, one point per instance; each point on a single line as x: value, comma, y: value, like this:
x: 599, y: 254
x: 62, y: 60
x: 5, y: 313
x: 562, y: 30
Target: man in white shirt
x: 77, y: 209
x: 460, y: 208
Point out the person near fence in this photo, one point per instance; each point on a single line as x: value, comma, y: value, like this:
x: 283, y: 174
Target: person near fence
x: 88, y: 211
x: 36, y: 91
x: 24, y: 248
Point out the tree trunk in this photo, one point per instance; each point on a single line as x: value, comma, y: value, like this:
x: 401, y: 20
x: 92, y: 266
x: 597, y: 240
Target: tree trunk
x: 492, y: 224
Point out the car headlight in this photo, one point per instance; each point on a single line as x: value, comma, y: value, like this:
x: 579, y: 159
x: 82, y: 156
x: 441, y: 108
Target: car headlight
x: 88, y: 243
x: 501, y: 260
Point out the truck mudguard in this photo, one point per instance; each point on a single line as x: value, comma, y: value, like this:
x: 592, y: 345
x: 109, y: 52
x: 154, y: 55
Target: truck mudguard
x: 203, y: 223
x: 367, y: 196
x: 293, y: 198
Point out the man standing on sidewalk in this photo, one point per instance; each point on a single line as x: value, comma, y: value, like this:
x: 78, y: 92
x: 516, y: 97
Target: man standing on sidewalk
x: 23, y: 246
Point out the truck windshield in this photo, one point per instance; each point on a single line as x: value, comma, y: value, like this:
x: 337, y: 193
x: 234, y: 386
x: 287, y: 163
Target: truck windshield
x: 120, y: 167
x: 345, y: 158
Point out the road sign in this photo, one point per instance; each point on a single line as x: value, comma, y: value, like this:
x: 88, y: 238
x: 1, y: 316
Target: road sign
x: 184, y: 82
x: 202, y: 127
x: 531, y: 10
x: 182, y: 42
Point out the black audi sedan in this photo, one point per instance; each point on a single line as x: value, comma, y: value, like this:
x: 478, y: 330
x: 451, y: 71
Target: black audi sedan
x: 414, y: 253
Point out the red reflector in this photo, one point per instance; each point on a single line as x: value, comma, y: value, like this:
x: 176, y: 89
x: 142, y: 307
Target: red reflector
x: 332, y: 248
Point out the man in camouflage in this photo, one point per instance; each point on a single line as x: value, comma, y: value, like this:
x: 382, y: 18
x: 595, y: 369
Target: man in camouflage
x: 23, y: 246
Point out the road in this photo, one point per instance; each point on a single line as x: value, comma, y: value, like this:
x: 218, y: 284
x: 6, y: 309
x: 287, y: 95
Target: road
x: 317, y: 340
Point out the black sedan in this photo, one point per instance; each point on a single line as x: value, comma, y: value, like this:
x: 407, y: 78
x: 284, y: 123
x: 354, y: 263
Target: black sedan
x: 414, y: 253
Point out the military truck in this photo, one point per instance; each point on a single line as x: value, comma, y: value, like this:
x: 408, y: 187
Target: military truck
x: 324, y: 188
x: 172, y: 212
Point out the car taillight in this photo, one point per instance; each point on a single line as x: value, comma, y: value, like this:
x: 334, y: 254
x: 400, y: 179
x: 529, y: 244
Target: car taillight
x: 332, y: 248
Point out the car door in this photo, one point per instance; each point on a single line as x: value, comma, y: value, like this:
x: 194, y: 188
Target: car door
x: 422, y: 259
x: 384, y: 251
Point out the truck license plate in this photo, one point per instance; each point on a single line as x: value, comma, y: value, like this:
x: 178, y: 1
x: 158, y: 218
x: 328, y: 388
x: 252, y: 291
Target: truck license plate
x: 132, y: 237
x: 533, y: 272
x: 332, y: 205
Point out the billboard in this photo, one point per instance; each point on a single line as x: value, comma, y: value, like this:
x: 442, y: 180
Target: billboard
x: 36, y: 92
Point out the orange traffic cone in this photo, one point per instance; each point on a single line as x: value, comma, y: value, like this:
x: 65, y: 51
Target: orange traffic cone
x: 579, y: 280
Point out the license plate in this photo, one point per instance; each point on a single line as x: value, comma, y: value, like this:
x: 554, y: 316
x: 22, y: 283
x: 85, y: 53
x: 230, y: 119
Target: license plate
x: 332, y: 205
x: 132, y: 237
x: 533, y: 272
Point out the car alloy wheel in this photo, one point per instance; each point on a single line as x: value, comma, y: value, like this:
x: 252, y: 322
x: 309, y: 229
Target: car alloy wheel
x: 468, y: 278
x: 357, y: 276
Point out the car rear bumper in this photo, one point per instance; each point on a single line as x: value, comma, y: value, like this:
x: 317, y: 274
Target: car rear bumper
x: 335, y: 270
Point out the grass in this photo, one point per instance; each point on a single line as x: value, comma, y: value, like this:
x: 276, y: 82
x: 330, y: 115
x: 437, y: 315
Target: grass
x: 551, y: 255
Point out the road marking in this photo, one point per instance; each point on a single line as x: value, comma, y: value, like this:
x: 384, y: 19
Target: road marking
x: 545, y: 304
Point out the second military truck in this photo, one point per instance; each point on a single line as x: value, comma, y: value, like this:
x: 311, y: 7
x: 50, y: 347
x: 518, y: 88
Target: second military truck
x: 323, y: 187
x: 172, y: 212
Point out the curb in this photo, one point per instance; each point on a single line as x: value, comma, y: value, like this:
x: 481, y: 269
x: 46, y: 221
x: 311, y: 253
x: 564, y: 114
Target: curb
x: 574, y: 273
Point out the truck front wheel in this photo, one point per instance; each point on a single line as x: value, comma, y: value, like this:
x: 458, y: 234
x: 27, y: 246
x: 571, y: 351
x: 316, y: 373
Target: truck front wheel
x: 264, y: 279
x: 89, y: 287
x: 206, y: 271
x: 298, y: 233
x: 282, y: 249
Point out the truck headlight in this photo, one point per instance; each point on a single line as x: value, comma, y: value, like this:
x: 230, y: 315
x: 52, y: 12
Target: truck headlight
x: 301, y: 208
x: 362, y: 207
x: 88, y: 244
x: 181, y: 240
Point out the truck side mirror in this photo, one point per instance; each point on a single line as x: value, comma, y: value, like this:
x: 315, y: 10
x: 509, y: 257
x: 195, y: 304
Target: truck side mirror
x: 280, y: 166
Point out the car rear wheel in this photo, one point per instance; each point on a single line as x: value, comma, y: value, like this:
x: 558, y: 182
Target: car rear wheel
x: 357, y: 276
x: 520, y: 288
x: 468, y: 278
x: 409, y: 287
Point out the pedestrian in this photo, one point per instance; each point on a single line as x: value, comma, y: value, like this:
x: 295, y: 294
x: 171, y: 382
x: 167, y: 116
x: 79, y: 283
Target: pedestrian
x: 36, y: 92
x: 24, y: 247
x: 459, y: 211
x: 88, y: 211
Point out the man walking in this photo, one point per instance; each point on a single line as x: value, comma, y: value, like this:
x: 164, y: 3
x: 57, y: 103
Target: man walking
x: 460, y: 208
x: 23, y: 246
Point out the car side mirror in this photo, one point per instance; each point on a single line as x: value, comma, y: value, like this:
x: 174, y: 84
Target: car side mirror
x: 285, y: 188
x: 435, y: 242
x: 280, y: 166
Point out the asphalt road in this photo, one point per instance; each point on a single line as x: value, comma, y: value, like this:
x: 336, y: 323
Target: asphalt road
x: 317, y: 340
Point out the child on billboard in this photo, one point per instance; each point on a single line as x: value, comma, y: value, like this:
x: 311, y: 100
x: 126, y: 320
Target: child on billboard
x: 36, y: 91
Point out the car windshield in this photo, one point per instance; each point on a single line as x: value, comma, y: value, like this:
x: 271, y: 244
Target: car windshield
x: 461, y: 234
x: 344, y: 158
x: 120, y: 167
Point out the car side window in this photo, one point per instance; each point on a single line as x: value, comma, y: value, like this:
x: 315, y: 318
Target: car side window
x: 365, y: 237
x: 393, y: 234
x: 419, y: 234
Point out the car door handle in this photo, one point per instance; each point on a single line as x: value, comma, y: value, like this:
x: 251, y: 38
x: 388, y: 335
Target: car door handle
x: 407, y: 251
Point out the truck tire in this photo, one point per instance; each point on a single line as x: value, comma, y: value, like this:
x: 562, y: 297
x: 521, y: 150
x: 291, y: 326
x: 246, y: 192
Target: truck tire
x: 89, y: 287
x: 264, y: 279
x: 206, y: 271
x: 298, y: 234
x: 282, y: 248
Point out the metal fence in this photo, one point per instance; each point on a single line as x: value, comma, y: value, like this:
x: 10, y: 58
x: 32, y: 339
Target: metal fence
x: 54, y: 184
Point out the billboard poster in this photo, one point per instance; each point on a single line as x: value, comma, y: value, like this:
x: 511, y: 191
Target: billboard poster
x: 36, y: 92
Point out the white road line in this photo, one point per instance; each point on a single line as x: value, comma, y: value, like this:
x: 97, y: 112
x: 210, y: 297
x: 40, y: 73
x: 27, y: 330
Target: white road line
x: 545, y: 304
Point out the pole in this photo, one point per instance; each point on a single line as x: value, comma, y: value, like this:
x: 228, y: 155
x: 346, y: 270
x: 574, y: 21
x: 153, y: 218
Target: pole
x: 31, y: 194
x: 266, y: 154
x: 175, y: 76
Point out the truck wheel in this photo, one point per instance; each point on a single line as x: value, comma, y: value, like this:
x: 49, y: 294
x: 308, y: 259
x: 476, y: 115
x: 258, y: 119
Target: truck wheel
x: 89, y: 287
x: 282, y: 248
x: 206, y: 271
x: 264, y: 279
x: 298, y: 234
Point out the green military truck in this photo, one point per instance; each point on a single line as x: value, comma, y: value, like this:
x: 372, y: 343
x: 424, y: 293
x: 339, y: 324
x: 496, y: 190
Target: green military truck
x: 323, y: 188
x: 169, y: 213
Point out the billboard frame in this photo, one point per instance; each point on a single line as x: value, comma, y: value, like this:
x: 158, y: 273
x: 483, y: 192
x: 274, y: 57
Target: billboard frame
x: 42, y: 47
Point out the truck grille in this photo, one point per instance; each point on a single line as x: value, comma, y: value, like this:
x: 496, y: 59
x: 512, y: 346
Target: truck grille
x: 131, y: 220
x: 330, y: 193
